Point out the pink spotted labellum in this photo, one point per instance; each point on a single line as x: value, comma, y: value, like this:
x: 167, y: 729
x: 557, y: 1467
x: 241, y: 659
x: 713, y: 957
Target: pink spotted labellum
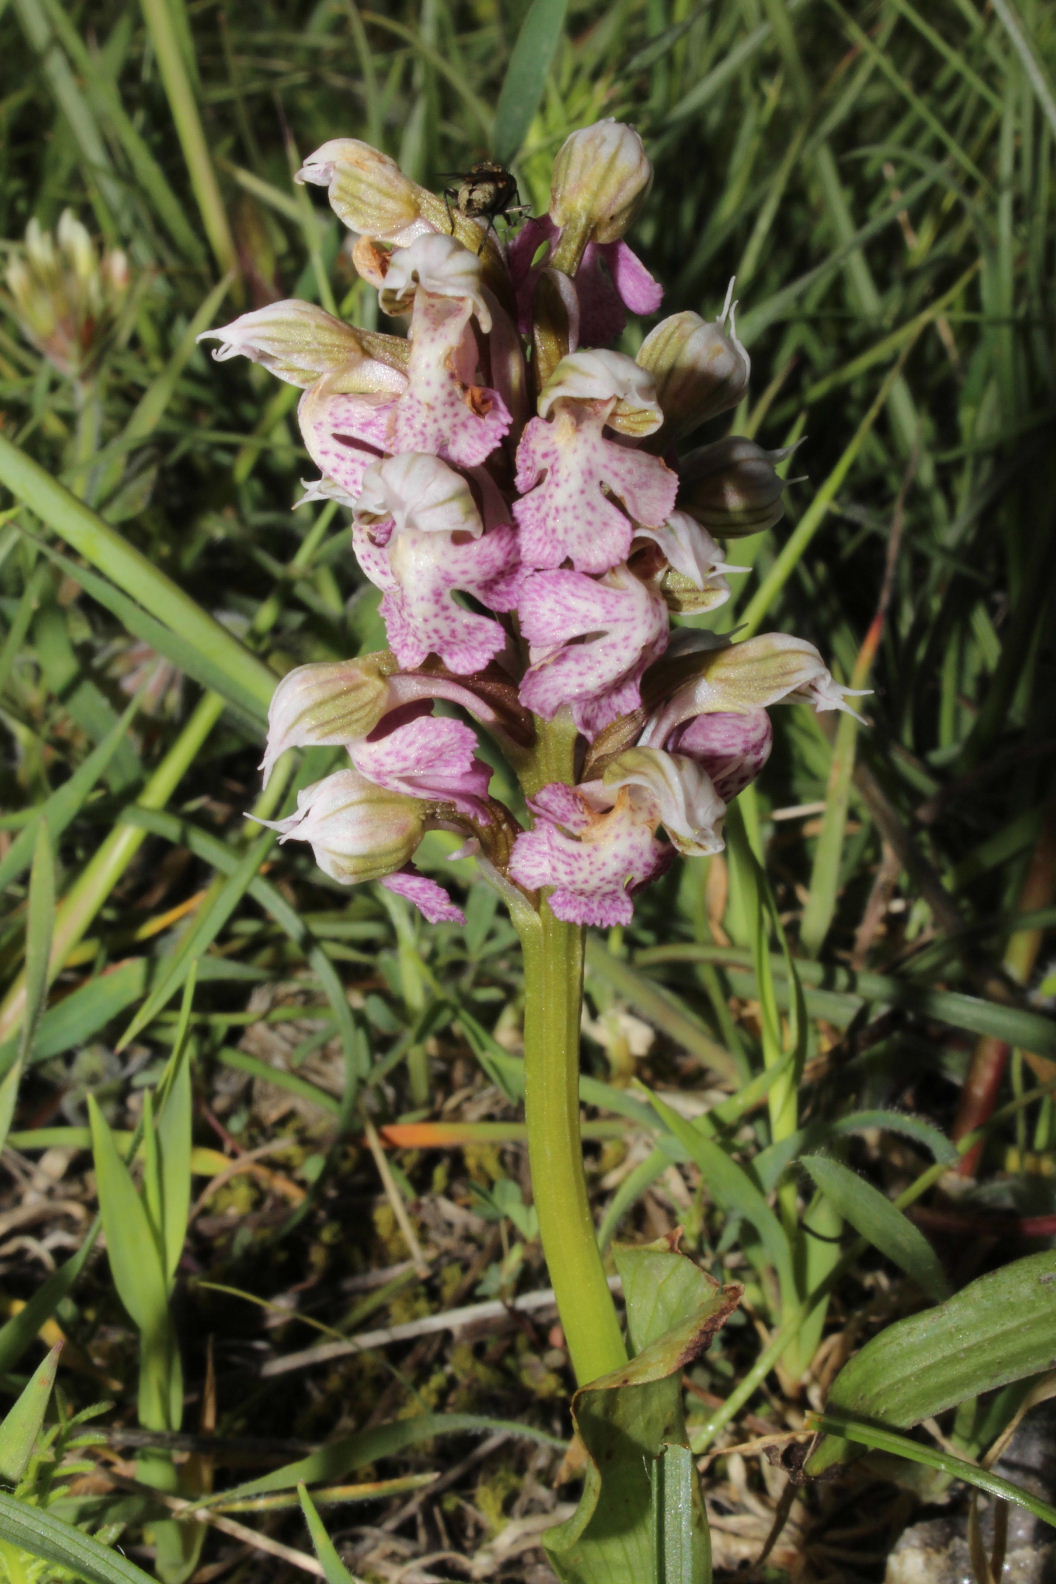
x: 518, y: 498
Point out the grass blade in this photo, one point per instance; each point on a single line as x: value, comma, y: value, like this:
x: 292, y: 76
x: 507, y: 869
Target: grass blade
x: 876, y: 1219
x: 530, y: 62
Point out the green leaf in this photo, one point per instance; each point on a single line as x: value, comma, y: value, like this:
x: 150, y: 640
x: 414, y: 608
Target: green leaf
x: 731, y: 1188
x: 131, y: 1243
x: 174, y: 1140
x: 38, y: 934
x: 335, y: 1570
x: 18, y: 1333
x: 236, y: 684
x: 880, y: 1223
x: 869, y: 1436
x: 61, y: 807
x: 39, y: 931
x: 522, y: 87
x: 999, y: 1329
x: 330, y: 1463
x: 22, y: 1422
x: 132, y: 571
x: 641, y: 1516
x: 43, y: 1535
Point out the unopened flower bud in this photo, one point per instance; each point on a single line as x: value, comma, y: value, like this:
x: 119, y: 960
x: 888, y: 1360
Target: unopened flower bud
x: 327, y: 705
x: 732, y: 487
x: 66, y: 297
x: 296, y: 341
x: 741, y: 678
x: 700, y: 369
x: 356, y: 829
x: 367, y: 190
x: 600, y: 180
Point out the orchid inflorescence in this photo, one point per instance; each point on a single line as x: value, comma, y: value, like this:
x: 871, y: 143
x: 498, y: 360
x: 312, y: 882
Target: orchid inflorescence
x: 518, y: 498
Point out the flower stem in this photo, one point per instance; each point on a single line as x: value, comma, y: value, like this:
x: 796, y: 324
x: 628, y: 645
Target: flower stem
x: 553, y: 976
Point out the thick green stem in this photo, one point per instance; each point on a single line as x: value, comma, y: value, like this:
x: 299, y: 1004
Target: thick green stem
x: 553, y: 996
x: 553, y: 984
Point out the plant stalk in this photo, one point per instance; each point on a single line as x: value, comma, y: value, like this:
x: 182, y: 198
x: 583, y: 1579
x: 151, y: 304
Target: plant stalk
x: 553, y: 983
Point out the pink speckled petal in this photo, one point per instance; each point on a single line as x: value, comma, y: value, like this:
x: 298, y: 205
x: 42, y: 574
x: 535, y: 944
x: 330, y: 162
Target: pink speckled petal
x: 565, y: 466
x: 594, y: 867
x: 345, y: 434
x: 591, y: 641
x: 732, y: 748
x: 420, y: 611
x: 431, y: 900
x: 443, y: 411
x: 433, y: 758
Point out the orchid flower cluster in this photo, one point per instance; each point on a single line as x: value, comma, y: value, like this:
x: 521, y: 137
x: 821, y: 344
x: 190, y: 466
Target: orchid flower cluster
x: 519, y: 496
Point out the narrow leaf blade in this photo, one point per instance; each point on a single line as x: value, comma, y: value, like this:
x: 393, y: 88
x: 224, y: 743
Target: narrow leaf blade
x: 876, y: 1219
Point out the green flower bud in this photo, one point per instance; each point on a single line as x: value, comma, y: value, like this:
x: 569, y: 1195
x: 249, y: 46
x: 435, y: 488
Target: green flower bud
x: 357, y: 830
x: 700, y: 369
x: 732, y: 487
x: 368, y: 191
x: 327, y: 705
x: 600, y: 179
x: 295, y: 341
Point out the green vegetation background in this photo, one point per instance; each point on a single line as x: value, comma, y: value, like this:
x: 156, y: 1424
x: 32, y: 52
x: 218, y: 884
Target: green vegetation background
x: 879, y: 179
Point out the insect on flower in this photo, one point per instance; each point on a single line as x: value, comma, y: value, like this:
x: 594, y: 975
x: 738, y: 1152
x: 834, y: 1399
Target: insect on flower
x: 487, y: 191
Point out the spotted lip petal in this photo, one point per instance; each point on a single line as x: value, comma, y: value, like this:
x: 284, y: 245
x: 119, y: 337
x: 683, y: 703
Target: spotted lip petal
x: 344, y: 434
x: 444, y: 409
x: 430, y: 758
x: 431, y: 900
x: 418, y: 538
x: 567, y: 472
x: 732, y: 748
x: 593, y: 847
x: 591, y: 641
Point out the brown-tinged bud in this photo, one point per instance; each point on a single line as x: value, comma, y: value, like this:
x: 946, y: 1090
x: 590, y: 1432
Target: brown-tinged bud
x: 732, y: 487
x: 600, y: 179
x: 67, y: 298
x: 700, y: 368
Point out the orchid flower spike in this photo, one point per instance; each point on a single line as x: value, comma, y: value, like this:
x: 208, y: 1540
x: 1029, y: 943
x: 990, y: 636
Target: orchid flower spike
x: 519, y: 500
